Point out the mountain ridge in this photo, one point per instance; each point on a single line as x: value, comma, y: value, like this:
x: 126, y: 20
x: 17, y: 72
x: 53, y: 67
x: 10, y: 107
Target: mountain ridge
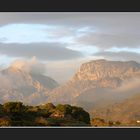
x: 94, y: 80
x: 96, y: 74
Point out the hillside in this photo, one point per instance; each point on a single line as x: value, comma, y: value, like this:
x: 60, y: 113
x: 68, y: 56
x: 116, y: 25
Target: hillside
x: 127, y: 111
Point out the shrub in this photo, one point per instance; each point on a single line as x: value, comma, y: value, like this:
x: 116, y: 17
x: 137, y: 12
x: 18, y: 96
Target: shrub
x: 98, y: 122
x: 5, y: 121
x: 79, y: 114
x: 48, y: 106
x: 14, y: 107
x: 41, y: 121
x: 66, y: 109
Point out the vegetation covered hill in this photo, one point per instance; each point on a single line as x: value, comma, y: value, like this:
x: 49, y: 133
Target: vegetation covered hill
x: 18, y: 114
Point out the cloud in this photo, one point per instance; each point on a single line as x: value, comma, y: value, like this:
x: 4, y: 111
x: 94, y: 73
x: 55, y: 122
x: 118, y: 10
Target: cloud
x: 110, y: 29
x: 74, y: 18
x: 31, y: 65
x: 104, y: 96
x: 43, y: 51
x: 127, y: 89
x: 105, y: 22
x: 122, y: 55
x: 105, y: 41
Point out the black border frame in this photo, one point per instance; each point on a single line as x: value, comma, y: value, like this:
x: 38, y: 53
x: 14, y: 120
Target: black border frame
x: 69, y: 133
x: 69, y: 6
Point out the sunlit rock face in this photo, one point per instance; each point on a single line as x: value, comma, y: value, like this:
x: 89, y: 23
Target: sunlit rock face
x: 93, y: 79
x: 100, y: 69
x: 103, y: 73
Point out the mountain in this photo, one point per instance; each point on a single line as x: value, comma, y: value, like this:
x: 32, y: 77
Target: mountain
x: 98, y: 82
x: 103, y: 73
x: 127, y: 111
x: 17, y: 84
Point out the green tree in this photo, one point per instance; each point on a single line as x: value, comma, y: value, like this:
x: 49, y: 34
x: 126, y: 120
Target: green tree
x: 48, y: 106
x: 81, y: 115
x: 66, y: 109
x: 14, y: 107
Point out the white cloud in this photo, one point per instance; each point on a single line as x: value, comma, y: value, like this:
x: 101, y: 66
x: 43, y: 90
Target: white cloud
x: 105, y: 41
x: 31, y: 65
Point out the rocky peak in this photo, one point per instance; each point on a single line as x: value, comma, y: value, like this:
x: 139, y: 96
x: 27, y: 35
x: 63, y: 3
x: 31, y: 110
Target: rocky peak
x: 29, y: 77
x: 100, y: 69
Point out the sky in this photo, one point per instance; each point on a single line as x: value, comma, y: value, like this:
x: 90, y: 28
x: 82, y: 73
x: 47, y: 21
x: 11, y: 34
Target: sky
x: 62, y: 41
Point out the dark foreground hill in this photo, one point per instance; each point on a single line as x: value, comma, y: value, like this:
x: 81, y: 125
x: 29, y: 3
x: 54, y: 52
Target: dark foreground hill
x: 17, y: 114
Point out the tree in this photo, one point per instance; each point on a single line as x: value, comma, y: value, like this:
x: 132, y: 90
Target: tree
x: 66, y: 109
x: 81, y: 115
x: 14, y: 107
x: 41, y: 121
x: 110, y: 123
x: 48, y: 106
x: 118, y: 123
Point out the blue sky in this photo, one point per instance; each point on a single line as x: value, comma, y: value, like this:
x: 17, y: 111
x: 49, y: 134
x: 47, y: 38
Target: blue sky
x: 37, y: 33
x: 25, y: 33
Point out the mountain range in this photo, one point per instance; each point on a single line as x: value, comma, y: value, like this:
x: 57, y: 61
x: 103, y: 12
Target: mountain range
x: 97, y: 85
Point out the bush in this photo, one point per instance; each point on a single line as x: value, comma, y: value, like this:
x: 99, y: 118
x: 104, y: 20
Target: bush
x: 79, y: 114
x: 41, y: 121
x: 48, y: 106
x: 14, y: 107
x: 66, y: 109
x: 5, y: 121
x: 98, y: 122
x: 76, y: 112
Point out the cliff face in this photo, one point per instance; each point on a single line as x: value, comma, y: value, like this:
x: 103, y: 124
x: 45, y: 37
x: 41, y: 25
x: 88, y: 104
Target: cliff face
x: 97, y: 79
x: 105, y: 73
